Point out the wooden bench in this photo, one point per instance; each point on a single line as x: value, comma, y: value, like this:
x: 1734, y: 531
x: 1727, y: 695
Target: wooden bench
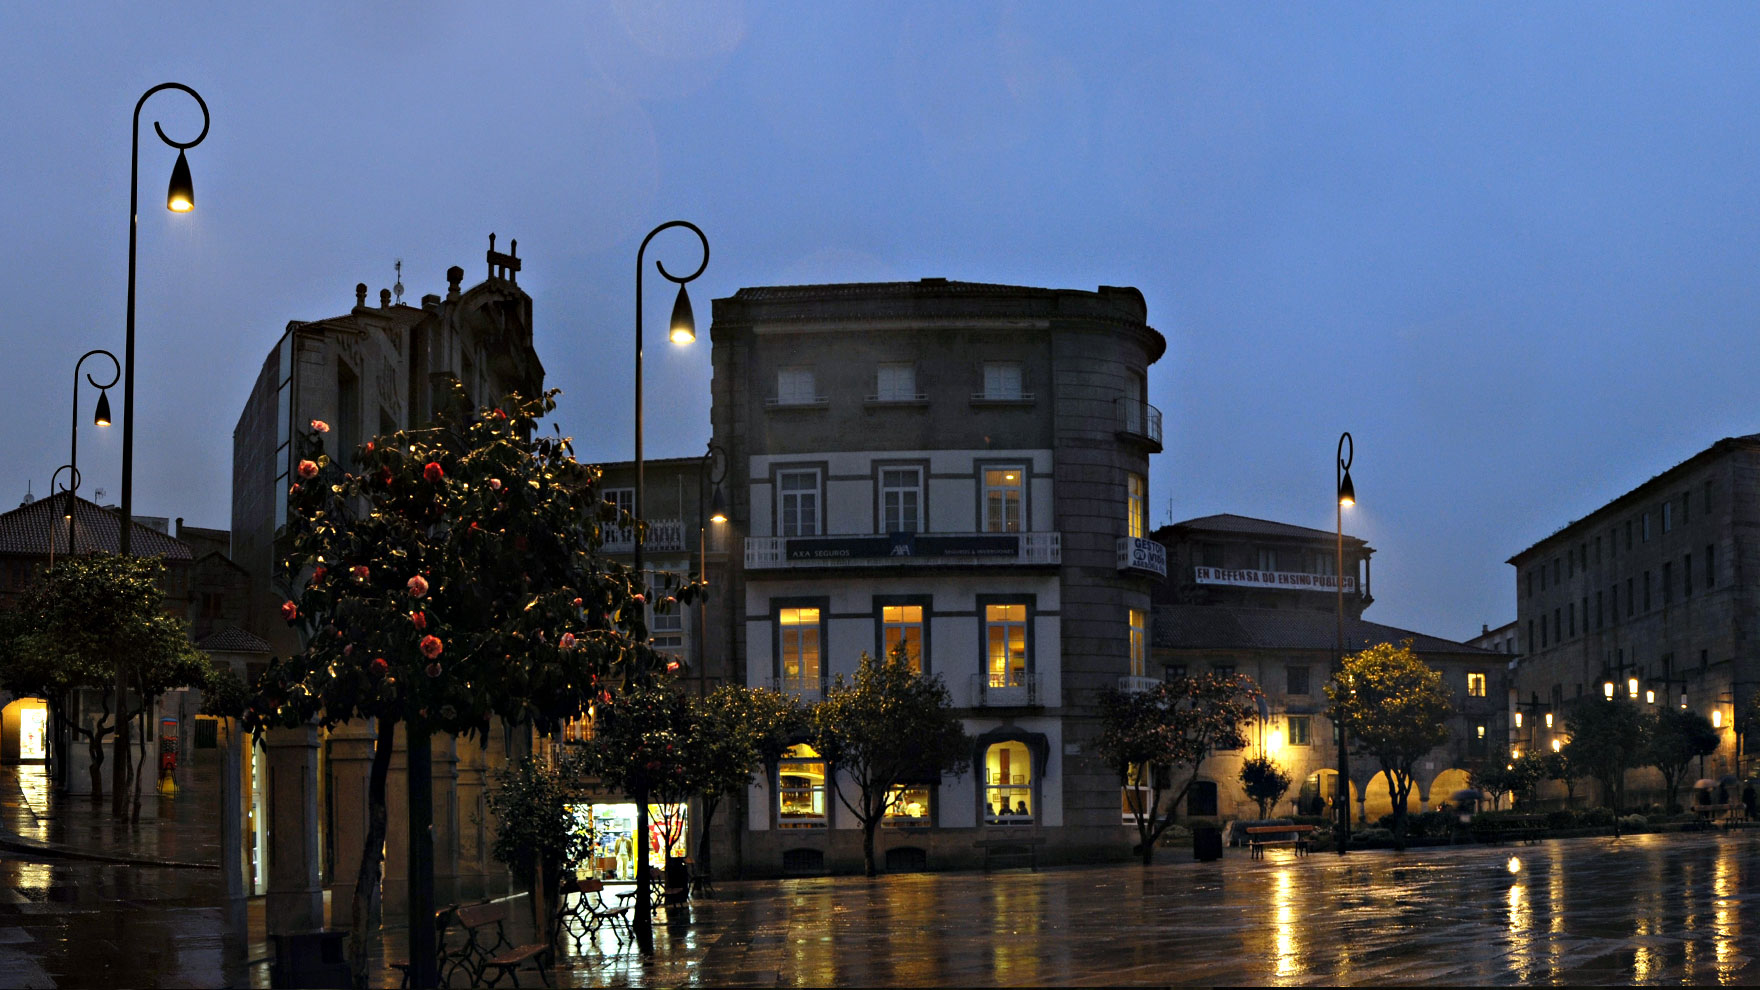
x: 481, y: 954
x: 583, y: 917
x: 444, y: 960
x: 1300, y: 837
x: 1528, y: 829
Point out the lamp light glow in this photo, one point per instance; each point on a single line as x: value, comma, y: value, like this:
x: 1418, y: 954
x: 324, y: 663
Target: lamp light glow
x: 102, y: 416
x: 181, y: 196
x: 684, y: 324
x: 1717, y: 718
x: 718, y: 507
x: 1649, y: 696
x: 1518, y: 720
x: 1556, y: 745
x: 1607, y: 690
x: 1347, y: 492
x: 1632, y: 686
x: 1549, y: 720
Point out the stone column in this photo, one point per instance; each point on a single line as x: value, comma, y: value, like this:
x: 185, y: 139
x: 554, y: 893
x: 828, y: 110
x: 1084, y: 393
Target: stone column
x: 295, y: 900
x: 351, y: 763
x: 446, y: 818
x: 472, y: 826
x: 394, y: 888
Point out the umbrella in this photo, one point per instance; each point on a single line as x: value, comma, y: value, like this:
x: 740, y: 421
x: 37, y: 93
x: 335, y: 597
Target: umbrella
x: 1465, y: 794
x: 1727, y: 780
x: 1704, y: 784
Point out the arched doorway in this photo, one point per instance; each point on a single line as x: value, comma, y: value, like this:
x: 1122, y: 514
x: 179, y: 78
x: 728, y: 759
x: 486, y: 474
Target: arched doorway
x: 1443, y: 787
x: 24, y: 731
x: 1377, y: 799
x: 1318, y: 793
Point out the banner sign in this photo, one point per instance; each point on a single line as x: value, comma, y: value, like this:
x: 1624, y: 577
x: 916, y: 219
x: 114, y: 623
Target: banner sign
x: 1272, y: 579
x: 902, y: 545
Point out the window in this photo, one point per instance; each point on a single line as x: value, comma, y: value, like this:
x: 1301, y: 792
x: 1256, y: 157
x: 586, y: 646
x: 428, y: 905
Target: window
x: 1645, y: 524
x: 908, y: 806
x: 1301, y: 729
x: 1631, y: 600
x: 1139, y: 642
x: 283, y: 427
x: 1558, y: 625
x: 1135, y: 795
x: 1005, y: 639
x: 903, y: 624
x: 1600, y: 610
x: 1222, y: 669
x: 901, y: 500
x: 795, y: 387
x: 1477, y: 744
x: 1686, y: 508
x: 1201, y: 799
x: 1174, y: 672
x: 1475, y: 684
x: 798, y: 641
x: 1687, y: 575
x: 800, y: 788
x: 625, y: 500
x: 1002, y: 380
x: 1667, y: 516
x: 1646, y: 591
x: 1003, y: 491
x: 1667, y: 583
x: 1532, y: 645
x: 1571, y: 616
x: 1710, y: 565
x: 797, y: 503
x: 1136, y: 506
x: 1266, y: 559
x: 1008, y: 784
x: 1530, y: 584
x: 895, y: 383
x: 1298, y: 679
x: 1628, y: 534
x: 666, y: 631
x: 348, y: 416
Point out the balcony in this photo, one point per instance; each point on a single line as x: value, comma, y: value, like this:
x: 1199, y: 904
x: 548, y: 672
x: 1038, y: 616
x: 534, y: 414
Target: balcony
x: 1141, y: 422
x: 1140, y: 556
x: 1020, y: 691
x: 664, y: 536
x: 807, y: 689
x: 1137, y: 685
x: 919, y: 549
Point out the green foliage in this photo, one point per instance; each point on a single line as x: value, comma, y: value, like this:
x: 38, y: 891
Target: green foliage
x: 889, y: 726
x: 736, y: 730
x: 1674, y: 738
x: 532, y: 822
x: 642, y: 743
x: 1607, y: 738
x: 1514, y: 777
x: 452, y: 576
x: 1396, y: 707
x: 226, y: 694
x: 1264, y: 781
x: 1177, y: 723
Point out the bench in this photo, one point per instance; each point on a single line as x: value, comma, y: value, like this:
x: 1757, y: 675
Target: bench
x: 444, y: 960
x: 1300, y: 837
x: 480, y: 954
x: 1528, y: 829
x: 1013, y: 850
x: 1728, y: 813
x: 583, y: 917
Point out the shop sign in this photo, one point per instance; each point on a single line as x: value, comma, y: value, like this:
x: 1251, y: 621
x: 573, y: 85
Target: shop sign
x: 901, y: 545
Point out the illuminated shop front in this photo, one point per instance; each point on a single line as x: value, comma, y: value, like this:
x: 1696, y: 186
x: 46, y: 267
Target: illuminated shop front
x: 611, y: 826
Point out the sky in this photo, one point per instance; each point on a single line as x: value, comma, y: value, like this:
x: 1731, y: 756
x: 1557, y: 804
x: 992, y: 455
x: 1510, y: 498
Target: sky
x: 1512, y: 248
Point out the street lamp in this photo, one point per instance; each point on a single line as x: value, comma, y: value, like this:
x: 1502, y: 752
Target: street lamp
x: 683, y: 330
x: 713, y: 470
x: 74, y: 478
x: 101, y: 417
x: 1347, y: 495
x: 180, y: 197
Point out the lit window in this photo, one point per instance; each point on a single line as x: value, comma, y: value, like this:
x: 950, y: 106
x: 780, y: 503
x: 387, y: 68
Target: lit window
x: 903, y: 624
x: 1139, y: 642
x: 1005, y: 634
x: 1136, y: 506
x: 795, y: 387
x: 798, y: 630
x: 901, y: 499
x: 908, y: 805
x: 1008, y: 784
x: 1002, y: 380
x: 895, y: 383
x: 1301, y: 730
x: 1003, y: 488
x: 1475, y: 685
x: 1135, y: 795
x: 800, y: 788
x: 797, y: 503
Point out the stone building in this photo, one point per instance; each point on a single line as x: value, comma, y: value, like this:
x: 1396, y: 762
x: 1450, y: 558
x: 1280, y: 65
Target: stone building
x: 368, y: 371
x: 1646, y: 597
x: 962, y: 468
x: 1260, y: 598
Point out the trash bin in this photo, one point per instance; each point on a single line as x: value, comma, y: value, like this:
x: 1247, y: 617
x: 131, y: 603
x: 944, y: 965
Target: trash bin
x: 1206, y: 843
x: 311, y: 959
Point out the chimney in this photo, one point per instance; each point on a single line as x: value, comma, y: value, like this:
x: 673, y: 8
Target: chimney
x: 360, y: 293
x: 384, y: 298
x: 454, y: 275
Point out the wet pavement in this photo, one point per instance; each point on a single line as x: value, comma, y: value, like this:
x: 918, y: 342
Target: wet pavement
x: 183, y: 828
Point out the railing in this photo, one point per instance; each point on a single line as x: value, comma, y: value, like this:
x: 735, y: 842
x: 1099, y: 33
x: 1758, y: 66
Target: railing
x: 1137, y: 685
x: 934, y: 549
x: 1140, y: 420
x: 1018, y: 690
x: 797, y: 402
x: 664, y: 535
x: 1144, y: 556
x: 805, y: 688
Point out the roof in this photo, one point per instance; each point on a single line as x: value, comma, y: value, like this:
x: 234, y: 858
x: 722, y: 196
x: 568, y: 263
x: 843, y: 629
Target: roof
x: 1750, y: 441
x: 29, y: 529
x: 1222, y: 627
x: 1228, y: 522
x: 232, y: 639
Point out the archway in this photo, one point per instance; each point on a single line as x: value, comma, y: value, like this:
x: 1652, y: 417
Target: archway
x: 1318, y: 793
x: 1444, y: 786
x: 1377, y: 799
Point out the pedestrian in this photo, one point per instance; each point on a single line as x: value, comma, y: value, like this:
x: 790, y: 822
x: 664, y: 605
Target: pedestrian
x: 1748, y: 801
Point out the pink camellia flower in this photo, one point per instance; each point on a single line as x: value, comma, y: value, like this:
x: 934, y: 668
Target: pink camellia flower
x: 577, y: 603
x: 433, y: 472
x: 431, y: 646
x: 379, y: 666
x: 500, y: 414
x: 348, y: 650
x: 671, y: 665
x: 289, y: 611
x: 318, y: 575
x: 568, y: 641
x: 369, y: 445
x: 360, y: 572
x: 293, y: 489
x: 308, y: 469
x: 320, y: 426
x: 419, y: 619
x: 418, y: 586
x: 495, y: 484
x: 639, y: 597
x: 433, y: 671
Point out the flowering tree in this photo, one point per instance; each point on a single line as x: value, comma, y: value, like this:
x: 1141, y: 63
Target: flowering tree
x: 1144, y: 735
x: 1398, y: 709
x: 452, y: 577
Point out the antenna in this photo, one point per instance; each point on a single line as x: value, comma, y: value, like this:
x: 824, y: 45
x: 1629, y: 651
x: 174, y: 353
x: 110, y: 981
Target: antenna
x: 398, y: 288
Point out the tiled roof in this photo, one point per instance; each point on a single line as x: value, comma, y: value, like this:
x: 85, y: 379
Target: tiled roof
x: 29, y: 529
x: 1221, y: 627
x: 1228, y: 522
x: 232, y: 640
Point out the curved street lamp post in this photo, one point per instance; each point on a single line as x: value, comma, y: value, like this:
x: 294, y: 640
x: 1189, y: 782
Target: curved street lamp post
x: 1347, y: 495
x: 101, y: 417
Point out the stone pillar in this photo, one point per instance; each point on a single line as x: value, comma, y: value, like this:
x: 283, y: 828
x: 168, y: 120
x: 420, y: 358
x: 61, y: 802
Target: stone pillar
x: 295, y: 900
x: 394, y: 888
x: 351, y: 763
x: 446, y: 818
x: 470, y: 791
x: 235, y: 938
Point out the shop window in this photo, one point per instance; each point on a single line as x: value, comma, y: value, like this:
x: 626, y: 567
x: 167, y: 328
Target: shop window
x: 798, y: 640
x: 903, y: 624
x: 908, y: 806
x: 1201, y: 799
x: 1004, y: 488
x: 800, y: 788
x: 1139, y: 642
x: 1475, y: 684
x: 1008, y: 784
x: 1005, y: 636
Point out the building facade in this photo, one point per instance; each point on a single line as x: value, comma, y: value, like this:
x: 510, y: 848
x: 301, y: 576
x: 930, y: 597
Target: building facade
x: 961, y: 468
x: 1646, y: 597
x: 1259, y: 598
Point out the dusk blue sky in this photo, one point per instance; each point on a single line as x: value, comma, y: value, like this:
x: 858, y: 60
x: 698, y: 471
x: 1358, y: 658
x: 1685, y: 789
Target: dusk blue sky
x: 1512, y: 248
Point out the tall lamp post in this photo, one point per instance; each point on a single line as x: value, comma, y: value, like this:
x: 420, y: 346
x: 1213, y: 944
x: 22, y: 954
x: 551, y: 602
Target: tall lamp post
x: 101, y: 417
x: 180, y: 197
x: 54, y: 485
x: 714, y: 469
x: 683, y: 330
x: 1347, y: 495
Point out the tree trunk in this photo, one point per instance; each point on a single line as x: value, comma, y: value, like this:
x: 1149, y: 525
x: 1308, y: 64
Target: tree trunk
x: 740, y: 800
x: 95, y: 740
x: 1399, y: 810
x: 372, y: 854
x: 147, y: 737
x: 709, y: 806
x: 868, y: 827
x: 644, y: 919
x: 423, y: 968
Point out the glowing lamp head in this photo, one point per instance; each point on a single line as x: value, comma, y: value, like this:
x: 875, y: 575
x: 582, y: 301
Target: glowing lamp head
x: 1556, y: 745
x: 1347, y: 492
x: 718, y: 508
x: 1549, y: 720
x: 102, y: 416
x: 684, y: 324
x: 181, y: 196
x: 1632, y: 687
x: 1607, y: 690
x: 1717, y: 718
x: 1518, y: 720
x: 1649, y: 696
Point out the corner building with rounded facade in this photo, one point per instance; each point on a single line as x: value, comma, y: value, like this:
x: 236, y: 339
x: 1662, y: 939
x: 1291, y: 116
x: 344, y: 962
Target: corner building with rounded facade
x: 963, y: 468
